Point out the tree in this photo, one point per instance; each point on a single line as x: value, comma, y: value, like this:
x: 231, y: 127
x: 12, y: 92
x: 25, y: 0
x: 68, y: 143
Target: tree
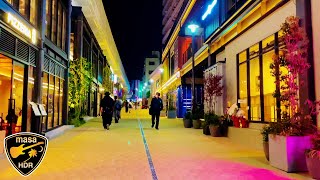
x: 107, y: 80
x: 79, y: 86
x: 212, y: 88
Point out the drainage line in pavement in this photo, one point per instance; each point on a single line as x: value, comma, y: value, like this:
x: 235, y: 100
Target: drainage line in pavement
x: 152, y: 169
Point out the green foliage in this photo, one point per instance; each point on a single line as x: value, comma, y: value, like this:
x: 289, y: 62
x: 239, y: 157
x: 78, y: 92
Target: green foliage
x: 107, y: 83
x: 80, y: 79
x: 197, y: 114
x: 148, y: 94
x: 266, y: 130
x: 212, y: 119
x: 188, y: 115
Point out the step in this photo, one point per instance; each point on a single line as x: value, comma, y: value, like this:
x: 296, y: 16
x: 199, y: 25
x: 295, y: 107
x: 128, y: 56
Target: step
x: 58, y: 131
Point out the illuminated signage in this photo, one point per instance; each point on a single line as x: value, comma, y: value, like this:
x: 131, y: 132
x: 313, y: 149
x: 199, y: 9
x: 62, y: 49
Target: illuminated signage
x: 210, y: 7
x: 193, y: 27
x: 28, y: 32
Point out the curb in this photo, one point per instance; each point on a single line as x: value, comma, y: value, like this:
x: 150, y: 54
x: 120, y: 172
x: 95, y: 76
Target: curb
x: 59, y: 131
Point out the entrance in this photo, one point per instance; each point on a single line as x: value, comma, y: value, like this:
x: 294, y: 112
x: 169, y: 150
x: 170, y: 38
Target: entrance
x: 11, y: 92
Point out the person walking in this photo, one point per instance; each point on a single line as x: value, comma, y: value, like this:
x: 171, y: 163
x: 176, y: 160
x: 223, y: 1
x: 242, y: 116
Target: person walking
x: 126, y: 104
x: 117, y: 109
x: 156, y: 106
x: 106, y: 109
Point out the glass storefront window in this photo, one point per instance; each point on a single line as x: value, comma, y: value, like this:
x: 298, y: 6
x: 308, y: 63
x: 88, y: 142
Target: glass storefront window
x: 243, y: 56
x: 255, y: 109
x: 60, y: 101
x: 50, y: 101
x: 30, y: 96
x: 45, y: 86
x: 243, y: 88
x: 269, y: 88
x: 5, y: 84
x: 17, y: 86
x: 56, y: 102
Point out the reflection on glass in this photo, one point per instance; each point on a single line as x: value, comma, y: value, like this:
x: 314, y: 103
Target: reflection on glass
x: 56, y: 102
x: 60, y: 101
x: 50, y: 101
x: 30, y: 94
x: 45, y: 88
x: 255, y: 109
x: 268, y: 88
x: 243, y: 88
x: 5, y: 84
x: 17, y: 86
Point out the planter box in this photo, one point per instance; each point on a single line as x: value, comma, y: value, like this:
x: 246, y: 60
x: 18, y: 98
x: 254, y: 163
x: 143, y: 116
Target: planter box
x: 187, y: 123
x: 288, y: 152
x: 313, y: 167
x: 172, y: 114
x: 2, y: 136
x: 196, y: 124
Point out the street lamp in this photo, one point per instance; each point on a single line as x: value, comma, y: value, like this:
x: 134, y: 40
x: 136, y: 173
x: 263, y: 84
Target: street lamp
x: 193, y: 28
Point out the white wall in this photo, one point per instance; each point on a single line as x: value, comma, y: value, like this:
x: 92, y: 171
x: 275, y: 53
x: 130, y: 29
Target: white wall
x: 260, y: 31
x: 315, y: 5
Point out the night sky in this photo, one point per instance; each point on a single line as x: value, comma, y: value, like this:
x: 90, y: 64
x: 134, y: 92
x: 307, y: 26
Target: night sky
x: 137, y: 30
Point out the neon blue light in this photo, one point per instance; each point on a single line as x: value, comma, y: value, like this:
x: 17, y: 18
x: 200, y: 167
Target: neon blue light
x: 210, y: 7
x: 193, y: 27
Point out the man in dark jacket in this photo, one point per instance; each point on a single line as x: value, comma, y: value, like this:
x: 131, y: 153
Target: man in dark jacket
x: 106, y: 109
x: 156, y: 106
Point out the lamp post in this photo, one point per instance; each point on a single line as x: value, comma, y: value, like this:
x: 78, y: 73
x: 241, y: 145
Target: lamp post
x: 193, y: 28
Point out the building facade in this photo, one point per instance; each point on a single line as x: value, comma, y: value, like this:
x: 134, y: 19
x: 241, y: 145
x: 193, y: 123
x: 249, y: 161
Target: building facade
x: 172, y: 9
x: 242, y: 36
x: 34, y: 52
x: 84, y: 45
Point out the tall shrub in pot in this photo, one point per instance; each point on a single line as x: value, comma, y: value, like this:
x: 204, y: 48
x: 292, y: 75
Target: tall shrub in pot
x: 295, y: 127
x: 212, y: 88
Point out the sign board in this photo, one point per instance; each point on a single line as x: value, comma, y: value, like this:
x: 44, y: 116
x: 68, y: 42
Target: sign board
x: 42, y: 110
x: 242, y: 101
x: 31, y: 33
x: 35, y: 109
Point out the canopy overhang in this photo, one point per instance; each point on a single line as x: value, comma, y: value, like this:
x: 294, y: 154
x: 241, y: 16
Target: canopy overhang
x: 96, y: 16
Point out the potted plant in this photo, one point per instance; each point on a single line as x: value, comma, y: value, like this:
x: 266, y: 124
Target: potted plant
x: 172, y: 114
x: 206, y: 130
x: 224, y: 126
x: 196, y: 116
x: 313, y: 157
x: 214, y: 125
x: 187, y: 120
x: 292, y: 136
x: 266, y: 130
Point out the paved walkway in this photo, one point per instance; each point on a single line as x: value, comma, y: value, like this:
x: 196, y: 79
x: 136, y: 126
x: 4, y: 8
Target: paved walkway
x: 89, y: 152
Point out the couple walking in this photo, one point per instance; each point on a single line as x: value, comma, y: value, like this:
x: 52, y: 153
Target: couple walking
x: 108, y: 108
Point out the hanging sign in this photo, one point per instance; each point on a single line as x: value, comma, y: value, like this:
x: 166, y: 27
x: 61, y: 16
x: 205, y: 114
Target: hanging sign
x: 42, y: 110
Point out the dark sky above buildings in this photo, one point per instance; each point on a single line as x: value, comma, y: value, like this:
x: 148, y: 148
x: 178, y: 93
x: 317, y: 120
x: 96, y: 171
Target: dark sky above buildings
x: 136, y: 27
